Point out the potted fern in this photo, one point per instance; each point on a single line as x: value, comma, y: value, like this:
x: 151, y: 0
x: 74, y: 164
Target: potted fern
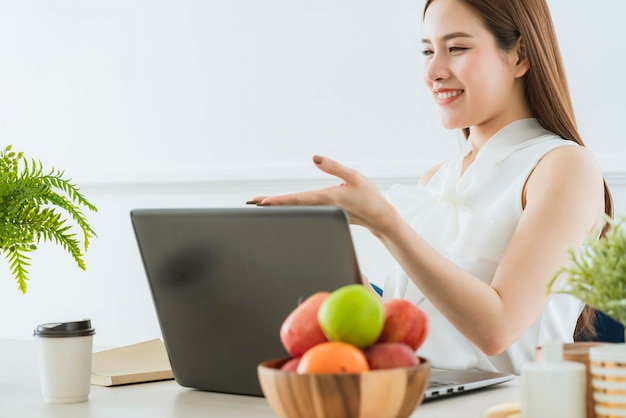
x: 597, y: 273
x: 597, y: 277
x: 35, y: 206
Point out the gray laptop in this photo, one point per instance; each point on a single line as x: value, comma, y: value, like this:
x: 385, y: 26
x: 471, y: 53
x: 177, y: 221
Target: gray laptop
x: 224, y: 279
x: 445, y: 382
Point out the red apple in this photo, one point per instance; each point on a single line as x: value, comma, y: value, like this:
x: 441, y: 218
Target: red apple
x: 291, y: 365
x: 301, y: 330
x: 390, y: 355
x: 404, y: 323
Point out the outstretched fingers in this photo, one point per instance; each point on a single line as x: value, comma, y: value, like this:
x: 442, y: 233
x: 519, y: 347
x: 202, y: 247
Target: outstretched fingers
x: 325, y: 196
x: 333, y: 168
x: 310, y: 198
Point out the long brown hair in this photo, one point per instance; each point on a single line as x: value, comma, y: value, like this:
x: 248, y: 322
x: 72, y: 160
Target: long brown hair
x: 546, y: 88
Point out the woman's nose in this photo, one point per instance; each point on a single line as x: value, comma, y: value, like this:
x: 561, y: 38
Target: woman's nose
x: 435, y: 68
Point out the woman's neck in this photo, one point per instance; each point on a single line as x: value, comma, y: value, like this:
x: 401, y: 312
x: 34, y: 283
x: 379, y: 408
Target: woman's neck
x: 516, y: 110
x: 479, y: 135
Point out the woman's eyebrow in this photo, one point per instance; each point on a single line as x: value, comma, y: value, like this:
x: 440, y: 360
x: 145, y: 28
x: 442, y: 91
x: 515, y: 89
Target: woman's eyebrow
x: 449, y: 36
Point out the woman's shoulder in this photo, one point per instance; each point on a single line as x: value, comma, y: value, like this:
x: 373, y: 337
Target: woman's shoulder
x: 573, y: 168
x: 429, y: 173
x: 570, y: 157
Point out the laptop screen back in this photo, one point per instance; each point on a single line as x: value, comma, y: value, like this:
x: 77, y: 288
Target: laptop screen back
x: 224, y: 279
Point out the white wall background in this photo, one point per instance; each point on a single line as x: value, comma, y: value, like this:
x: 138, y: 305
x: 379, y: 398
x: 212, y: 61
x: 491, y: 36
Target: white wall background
x: 148, y: 103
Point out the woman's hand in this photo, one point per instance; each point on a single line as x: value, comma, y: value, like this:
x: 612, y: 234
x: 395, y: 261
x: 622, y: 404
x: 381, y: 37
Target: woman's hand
x: 358, y: 196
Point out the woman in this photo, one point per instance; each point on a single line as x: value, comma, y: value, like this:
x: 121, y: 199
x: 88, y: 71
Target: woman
x: 479, y: 239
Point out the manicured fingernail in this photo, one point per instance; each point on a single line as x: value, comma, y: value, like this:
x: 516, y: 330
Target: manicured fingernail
x: 251, y: 202
x: 317, y: 159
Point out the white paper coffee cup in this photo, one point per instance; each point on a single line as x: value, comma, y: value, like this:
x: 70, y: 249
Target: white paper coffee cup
x: 64, y: 350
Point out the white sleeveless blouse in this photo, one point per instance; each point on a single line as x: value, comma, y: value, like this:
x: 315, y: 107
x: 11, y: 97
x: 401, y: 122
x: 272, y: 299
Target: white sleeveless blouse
x: 470, y: 219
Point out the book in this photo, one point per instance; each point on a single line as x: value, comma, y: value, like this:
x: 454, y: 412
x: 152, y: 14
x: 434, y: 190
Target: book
x: 137, y: 363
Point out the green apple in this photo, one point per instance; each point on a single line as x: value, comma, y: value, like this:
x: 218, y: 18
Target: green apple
x: 352, y: 314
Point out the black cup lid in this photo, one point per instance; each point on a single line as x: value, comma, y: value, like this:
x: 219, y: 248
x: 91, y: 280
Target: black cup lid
x: 65, y: 329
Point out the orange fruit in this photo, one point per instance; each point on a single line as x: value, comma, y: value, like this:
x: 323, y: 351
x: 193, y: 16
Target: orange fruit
x: 333, y: 357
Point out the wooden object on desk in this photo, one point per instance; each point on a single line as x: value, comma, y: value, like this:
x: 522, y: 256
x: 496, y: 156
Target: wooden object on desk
x: 384, y: 393
x: 143, y: 362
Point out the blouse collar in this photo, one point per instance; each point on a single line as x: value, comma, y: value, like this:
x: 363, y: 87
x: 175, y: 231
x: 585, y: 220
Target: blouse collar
x: 509, y: 138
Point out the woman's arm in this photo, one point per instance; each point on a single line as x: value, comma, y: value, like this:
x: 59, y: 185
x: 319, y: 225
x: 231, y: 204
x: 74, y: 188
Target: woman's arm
x: 563, y: 201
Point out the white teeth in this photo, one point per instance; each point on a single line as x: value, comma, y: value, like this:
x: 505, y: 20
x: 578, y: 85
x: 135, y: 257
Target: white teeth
x: 448, y: 94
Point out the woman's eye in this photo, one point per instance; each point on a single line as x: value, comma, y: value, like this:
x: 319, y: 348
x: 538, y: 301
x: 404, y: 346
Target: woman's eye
x: 451, y: 49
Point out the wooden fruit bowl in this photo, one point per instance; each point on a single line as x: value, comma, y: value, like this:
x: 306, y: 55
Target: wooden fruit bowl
x: 388, y: 393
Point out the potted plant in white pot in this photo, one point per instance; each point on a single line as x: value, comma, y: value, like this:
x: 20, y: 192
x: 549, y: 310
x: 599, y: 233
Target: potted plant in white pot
x: 37, y: 206
x: 597, y: 277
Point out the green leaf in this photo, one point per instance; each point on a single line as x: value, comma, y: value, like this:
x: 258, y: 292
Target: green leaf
x: 39, y: 205
x: 596, y: 274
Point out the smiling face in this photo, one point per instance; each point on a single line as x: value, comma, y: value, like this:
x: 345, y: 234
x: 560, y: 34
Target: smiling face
x: 475, y: 83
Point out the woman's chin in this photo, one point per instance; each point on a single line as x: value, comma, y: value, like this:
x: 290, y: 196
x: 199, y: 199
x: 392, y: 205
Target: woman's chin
x: 448, y: 123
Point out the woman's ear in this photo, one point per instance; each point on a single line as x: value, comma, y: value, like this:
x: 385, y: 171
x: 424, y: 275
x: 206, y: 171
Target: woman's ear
x: 523, y: 64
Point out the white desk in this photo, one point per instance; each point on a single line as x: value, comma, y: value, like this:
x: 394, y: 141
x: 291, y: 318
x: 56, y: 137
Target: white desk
x: 20, y: 396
